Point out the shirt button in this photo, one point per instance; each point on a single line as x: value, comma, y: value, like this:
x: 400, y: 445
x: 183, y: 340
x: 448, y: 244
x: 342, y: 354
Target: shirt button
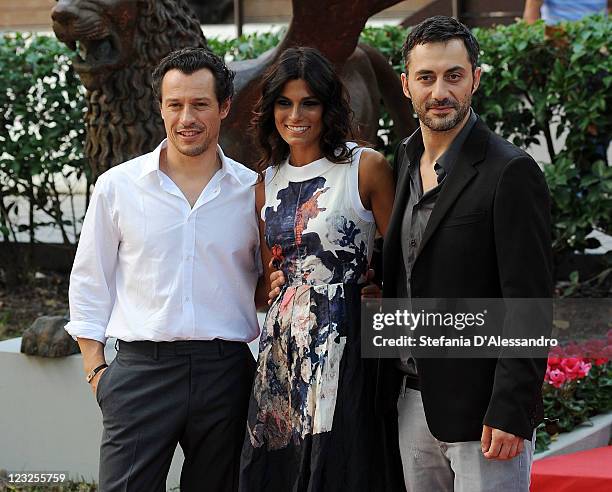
x: 413, y: 243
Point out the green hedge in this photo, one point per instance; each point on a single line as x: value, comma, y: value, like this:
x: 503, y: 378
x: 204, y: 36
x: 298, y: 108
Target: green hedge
x: 541, y: 82
x: 536, y: 80
x: 42, y: 131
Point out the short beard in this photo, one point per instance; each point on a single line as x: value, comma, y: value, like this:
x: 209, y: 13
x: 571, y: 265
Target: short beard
x: 195, y: 151
x: 445, y: 123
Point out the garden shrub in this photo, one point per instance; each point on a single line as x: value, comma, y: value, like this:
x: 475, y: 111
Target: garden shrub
x: 577, y: 386
x: 42, y: 134
x: 42, y: 131
x: 540, y: 79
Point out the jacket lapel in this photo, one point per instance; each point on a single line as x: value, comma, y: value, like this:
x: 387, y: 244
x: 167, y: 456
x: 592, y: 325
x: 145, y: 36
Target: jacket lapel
x: 392, y: 252
x: 401, y: 198
x: 472, y: 152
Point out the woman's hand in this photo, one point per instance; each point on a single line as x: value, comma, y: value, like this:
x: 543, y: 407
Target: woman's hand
x: 277, y: 280
x: 371, y: 290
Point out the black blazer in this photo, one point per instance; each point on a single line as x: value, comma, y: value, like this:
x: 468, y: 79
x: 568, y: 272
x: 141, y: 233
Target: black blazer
x: 488, y: 236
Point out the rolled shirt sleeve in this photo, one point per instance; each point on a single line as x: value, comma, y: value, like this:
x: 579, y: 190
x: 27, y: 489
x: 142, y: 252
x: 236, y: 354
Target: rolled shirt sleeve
x: 92, y: 280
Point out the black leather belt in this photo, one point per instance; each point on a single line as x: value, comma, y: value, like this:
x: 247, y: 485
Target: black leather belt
x: 178, y: 347
x: 412, y: 382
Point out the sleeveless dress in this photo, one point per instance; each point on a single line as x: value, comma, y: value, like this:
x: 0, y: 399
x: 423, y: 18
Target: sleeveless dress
x: 311, y: 424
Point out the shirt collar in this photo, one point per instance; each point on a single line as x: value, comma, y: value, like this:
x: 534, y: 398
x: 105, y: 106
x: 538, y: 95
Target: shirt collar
x: 448, y: 159
x: 151, y: 162
x: 414, y: 147
x: 227, y: 165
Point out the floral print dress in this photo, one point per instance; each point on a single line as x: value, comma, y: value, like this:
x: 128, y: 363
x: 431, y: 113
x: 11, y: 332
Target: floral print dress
x: 311, y: 424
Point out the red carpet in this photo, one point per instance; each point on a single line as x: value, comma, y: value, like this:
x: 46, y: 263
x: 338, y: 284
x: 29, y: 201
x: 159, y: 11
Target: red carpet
x: 584, y: 471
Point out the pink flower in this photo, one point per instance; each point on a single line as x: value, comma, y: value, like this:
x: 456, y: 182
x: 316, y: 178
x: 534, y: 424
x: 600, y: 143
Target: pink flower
x: 556, y: 377
x: 570, y: 368
x: 585, y: 367
x: 554, y: 361
x: 575, y: 368
x: 555, y: 356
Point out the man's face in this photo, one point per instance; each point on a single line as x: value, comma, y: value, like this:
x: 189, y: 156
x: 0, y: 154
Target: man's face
x: 192, y: 116
x: 440, y: 83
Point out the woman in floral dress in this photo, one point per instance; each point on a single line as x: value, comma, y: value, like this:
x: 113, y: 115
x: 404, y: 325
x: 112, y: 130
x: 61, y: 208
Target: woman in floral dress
x: 312, y: 423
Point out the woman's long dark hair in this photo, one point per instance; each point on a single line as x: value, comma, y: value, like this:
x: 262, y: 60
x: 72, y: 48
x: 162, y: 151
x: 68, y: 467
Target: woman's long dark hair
x: 309, y: 65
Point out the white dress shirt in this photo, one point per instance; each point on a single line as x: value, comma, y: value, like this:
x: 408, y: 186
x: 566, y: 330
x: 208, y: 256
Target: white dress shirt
x: 150, y: 267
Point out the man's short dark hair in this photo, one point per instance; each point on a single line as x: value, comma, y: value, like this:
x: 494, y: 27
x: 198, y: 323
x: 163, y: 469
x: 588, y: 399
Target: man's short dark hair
x: 190, y: 60
x: 441, y: 29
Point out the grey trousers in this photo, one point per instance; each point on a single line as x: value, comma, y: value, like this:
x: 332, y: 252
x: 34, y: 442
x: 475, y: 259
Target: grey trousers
x: 155, y: 396
x: 432, y: 465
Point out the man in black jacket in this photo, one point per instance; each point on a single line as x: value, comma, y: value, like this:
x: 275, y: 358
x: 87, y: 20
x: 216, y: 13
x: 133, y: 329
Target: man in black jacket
x: 471, y: 220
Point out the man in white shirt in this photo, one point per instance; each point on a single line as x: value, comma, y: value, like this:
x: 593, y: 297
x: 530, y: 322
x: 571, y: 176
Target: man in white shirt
x: 168, y: 263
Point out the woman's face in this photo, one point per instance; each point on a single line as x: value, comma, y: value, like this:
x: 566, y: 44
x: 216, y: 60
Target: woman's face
x: 298, y: 115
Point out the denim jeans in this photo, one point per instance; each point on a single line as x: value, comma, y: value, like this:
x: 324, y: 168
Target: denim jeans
x: 432, y: 465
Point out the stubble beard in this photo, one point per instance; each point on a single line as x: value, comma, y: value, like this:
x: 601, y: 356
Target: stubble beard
x: 194, y: 151
x: 443, y: 123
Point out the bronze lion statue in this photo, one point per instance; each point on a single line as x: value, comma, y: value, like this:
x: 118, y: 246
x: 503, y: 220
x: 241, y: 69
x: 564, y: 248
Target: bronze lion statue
x: 119, y: 42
